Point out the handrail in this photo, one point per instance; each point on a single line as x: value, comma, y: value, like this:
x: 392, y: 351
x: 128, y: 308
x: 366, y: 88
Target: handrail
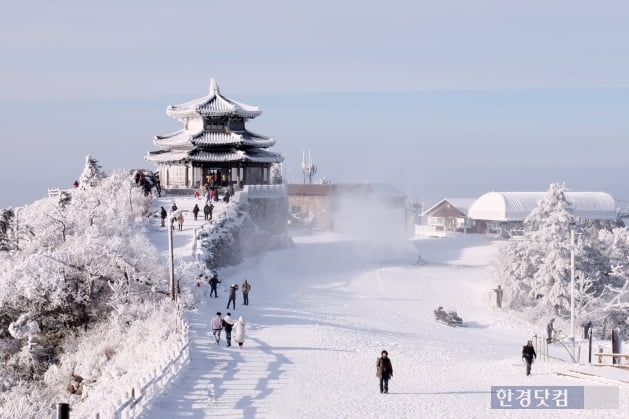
x: 567, y: 350
x: 143, y: 392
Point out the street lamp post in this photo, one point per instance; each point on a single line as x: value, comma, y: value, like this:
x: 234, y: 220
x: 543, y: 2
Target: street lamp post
x: 171, y: 263
x: 572, y: 292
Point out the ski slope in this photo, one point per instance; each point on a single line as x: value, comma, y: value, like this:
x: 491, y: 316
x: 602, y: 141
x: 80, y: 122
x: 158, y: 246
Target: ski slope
x: 321, y: 312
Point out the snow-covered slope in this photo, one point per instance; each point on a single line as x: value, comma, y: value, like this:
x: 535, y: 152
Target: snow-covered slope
x: 322, y: 311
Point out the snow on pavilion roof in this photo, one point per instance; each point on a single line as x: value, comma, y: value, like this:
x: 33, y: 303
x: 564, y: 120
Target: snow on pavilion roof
x: 516, y: 206
x: 204, y: 156
x: 214, y: 104
x: 166, y: 156
x: 253, y: 155
x: 184, y: 138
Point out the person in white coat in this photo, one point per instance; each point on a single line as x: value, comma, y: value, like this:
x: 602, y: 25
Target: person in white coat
x: 240, y: 331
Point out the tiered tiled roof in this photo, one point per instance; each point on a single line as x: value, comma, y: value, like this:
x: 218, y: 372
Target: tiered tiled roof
x: 216, y: 143
x: 204, y: 156
x: 210, y: 138
x: 214, y: 104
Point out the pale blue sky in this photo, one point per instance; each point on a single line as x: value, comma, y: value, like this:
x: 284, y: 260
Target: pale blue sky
x: 447, y: 100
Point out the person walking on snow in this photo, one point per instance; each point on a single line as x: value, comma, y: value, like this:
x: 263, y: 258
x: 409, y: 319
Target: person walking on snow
x: 180, y: 221
x: 228, y: 323
x: 207, y: 210
x: 499, y: 293
x: 549, y: 331
x: 214, y: 281
x: 246, y: 287
x: 240, y: 331
x: 528, y: 353
x: 163, y: 214
x: 232, y: 295
x: 195, y: 211
x: 217, y: 325
x: 384, y: 371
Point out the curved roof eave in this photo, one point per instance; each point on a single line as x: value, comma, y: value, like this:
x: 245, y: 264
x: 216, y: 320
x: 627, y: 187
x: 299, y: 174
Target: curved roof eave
x: 166, y: 156
x: 214, y: 104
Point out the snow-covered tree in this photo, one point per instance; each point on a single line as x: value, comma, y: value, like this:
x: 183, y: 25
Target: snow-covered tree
x: 537, y: 267
x: 535, y: 270
x: 276, y: 174
x: 84, y: 246
x: 6, y: 218
x: 92, y: 174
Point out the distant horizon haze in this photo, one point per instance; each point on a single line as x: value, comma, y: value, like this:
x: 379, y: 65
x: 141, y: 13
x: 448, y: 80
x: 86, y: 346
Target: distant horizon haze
x: 448, y: 99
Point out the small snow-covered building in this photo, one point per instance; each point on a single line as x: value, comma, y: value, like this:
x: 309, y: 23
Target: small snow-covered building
x: 502, y: 213
x: 447, y: 215
x: 213, y: 146
x: 310, y: 205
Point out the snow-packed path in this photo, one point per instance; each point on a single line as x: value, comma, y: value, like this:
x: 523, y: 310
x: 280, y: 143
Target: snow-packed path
x: 322, y: 311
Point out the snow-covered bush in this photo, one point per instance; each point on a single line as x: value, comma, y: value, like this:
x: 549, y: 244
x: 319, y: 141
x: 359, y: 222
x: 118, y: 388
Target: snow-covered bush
x: 74, y: 267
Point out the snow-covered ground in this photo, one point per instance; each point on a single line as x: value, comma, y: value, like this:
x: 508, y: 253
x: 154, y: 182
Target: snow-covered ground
x: 321, y: 312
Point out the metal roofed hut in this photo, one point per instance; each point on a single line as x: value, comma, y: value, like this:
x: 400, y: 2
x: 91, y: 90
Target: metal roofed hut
x: 214, y: 145
x: 503, y: 213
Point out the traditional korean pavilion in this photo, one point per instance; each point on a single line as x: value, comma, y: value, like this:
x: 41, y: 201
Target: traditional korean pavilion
x: 214, y: 145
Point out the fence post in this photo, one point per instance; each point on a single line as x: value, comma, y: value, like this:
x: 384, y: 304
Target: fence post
x: 589, y: 346
x: 63, y: 411
x: 616, y: 343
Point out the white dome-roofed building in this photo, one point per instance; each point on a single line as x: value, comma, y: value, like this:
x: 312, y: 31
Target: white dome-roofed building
x: 213, y: 144
x: 503, y: 212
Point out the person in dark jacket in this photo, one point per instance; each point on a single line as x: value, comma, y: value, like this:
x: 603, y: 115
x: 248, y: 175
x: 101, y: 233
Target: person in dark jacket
x: 214, y: 281
x: 228, y: 323
x: 163, y: 214
x: 207, y: 210
x: 195, y: 211
x: 232, y: 295
x: 384, y: 371
x: 549, y: 331
x: 246, y: 287
x: 528, y: 353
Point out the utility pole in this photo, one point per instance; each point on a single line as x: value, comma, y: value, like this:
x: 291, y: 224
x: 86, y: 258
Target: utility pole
x: 308, y: 168
x: 171, y: 257
x: 572, y: 291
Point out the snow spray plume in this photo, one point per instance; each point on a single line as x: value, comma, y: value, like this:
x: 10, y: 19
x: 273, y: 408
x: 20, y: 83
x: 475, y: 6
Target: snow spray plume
x: 377, y: 224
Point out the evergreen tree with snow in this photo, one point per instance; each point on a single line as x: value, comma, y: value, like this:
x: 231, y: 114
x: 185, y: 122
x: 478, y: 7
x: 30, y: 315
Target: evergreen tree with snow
x: 276, y: 174
x: 92, y: 174
x: 6, y: 218
x: 536, y: 270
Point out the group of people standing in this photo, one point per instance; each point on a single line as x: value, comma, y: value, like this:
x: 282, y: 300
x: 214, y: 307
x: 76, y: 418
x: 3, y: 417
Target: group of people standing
x: 246, y: 287
x: 219, y: 323
x: 214, y: 281
x: 207, y: 210
x: 179, y: 217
